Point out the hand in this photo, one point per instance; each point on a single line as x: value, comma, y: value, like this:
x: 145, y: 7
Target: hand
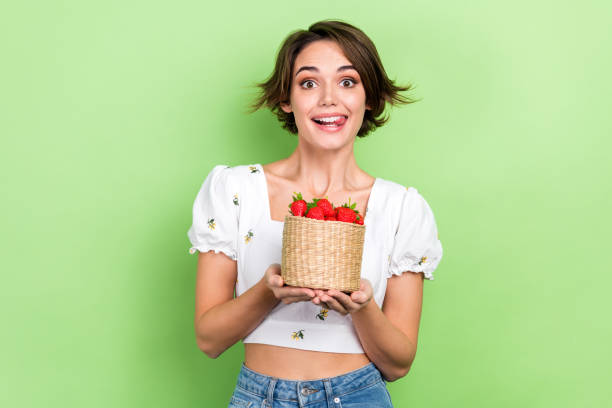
x: 343, y: 303
x: 287, y: 294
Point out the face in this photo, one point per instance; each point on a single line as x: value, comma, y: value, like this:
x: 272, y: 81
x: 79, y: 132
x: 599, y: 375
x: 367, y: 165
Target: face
x: 327, y: 97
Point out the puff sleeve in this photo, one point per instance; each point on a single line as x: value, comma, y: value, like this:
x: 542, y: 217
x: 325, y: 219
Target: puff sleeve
x: 416, y: 247
x: 215, y: 215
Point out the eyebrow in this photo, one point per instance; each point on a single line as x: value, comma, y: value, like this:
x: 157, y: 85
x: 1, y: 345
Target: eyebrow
x: 315, y: 69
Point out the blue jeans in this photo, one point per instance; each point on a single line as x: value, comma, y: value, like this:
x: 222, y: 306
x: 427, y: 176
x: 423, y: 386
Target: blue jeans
x: 361, y: 388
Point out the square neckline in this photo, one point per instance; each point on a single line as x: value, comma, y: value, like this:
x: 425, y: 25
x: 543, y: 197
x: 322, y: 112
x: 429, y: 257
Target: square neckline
x: 267, y: 196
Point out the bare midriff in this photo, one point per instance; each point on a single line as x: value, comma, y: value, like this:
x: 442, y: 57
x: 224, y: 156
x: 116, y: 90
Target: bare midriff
x: 303, y: 365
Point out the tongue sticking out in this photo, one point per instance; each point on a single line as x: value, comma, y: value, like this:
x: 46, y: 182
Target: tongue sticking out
x: 338, y: 122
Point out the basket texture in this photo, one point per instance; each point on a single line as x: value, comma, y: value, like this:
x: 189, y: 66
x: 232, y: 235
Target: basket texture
x: 322, y: 254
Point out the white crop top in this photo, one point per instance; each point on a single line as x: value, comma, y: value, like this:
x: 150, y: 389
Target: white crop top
x: 231, y: 214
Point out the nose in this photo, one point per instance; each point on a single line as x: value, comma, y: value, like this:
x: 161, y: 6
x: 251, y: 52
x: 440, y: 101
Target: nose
x: 328, y: 95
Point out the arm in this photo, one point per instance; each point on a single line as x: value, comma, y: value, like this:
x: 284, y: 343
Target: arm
x: 388, y: 336
x: 222, y: 320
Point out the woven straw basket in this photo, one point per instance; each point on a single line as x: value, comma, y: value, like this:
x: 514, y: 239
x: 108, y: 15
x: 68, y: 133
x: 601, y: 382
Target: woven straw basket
x: 322, y: 254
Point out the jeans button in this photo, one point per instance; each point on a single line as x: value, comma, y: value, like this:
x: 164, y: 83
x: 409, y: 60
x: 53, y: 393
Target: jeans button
x: 336, y: 400
x: 304, y: 391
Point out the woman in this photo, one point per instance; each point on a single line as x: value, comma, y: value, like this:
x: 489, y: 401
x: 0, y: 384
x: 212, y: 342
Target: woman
x: 303, y: 345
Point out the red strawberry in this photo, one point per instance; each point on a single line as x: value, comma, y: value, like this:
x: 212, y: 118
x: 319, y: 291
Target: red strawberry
x: 316, y: 213
x: 298, y: 207
x: 328, y: 208
x: 359, y: 220
x: 346, y: 214
x: 331, y: 218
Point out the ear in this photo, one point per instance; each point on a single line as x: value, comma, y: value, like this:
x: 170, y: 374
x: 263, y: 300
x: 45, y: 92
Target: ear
x: 368, y: 107
x: 286, y: 107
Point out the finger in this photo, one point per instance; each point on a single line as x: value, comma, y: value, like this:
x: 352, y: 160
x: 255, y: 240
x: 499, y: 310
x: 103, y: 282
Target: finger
x: 293, y: 291
x: 317, y: 301
x: 275, y: 269
x: 334, y: 304
x: 359, y: 297
x: 319, y: 292
x: 343, y: 299
x: 309, y: 292
x: 294, y: 299
x: 277, y: 281
x: 366, y: 287
x: 273, y: 277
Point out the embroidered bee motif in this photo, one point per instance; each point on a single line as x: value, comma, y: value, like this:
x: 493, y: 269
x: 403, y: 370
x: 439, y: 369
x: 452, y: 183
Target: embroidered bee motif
x: 248, y: 236
x: 298, y: 335
x: 253, y: 169
x: 422, y: 261
x: 322, y: 314
x: 235, y: 200
x: 211, y: 224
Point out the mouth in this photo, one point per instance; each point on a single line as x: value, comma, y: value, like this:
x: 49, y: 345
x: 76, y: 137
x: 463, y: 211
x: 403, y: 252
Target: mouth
x: 330, y: 123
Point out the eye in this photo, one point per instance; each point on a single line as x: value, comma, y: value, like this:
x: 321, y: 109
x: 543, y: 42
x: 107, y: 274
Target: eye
x: 308, y: 81
x: 350, y: 81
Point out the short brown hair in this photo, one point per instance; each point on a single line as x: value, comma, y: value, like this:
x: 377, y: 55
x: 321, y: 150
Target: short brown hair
x: 359, y: 50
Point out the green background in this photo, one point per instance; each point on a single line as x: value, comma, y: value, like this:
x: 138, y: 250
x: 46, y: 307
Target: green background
x: 112, y: 114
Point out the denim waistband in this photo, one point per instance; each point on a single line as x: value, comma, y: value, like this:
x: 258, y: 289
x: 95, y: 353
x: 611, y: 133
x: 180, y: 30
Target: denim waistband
x: 307, y: 391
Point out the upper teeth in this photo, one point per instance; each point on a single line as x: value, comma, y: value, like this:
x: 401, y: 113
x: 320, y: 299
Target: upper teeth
x: 329, y: 119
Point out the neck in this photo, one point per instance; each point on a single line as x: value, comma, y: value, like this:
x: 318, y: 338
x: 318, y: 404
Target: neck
x: 324, y: 171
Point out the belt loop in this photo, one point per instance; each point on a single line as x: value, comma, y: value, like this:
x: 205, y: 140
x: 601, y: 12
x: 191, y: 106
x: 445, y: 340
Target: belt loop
x: 271, y: 385
x: 329, y: 393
